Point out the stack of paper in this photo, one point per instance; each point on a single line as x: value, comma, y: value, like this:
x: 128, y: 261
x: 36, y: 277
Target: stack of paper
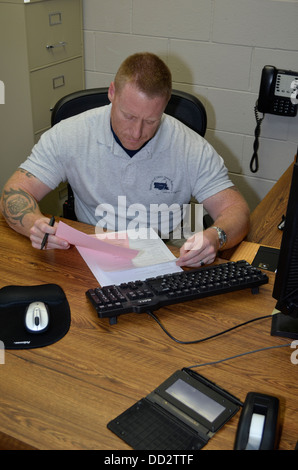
x: 120, y: 257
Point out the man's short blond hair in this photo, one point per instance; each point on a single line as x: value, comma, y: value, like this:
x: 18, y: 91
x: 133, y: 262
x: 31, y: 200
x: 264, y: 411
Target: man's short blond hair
x: 148, y: 72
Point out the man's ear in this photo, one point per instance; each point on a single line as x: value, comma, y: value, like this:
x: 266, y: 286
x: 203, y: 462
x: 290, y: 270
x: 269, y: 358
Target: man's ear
x: 111, y: 92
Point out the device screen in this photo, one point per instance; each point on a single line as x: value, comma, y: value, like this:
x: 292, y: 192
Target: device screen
x: 283, y: 85
x: 196, y: 400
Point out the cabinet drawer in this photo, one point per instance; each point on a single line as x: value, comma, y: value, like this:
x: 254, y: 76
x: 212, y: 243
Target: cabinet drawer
x: 53, y: 31
x: 50, y: 84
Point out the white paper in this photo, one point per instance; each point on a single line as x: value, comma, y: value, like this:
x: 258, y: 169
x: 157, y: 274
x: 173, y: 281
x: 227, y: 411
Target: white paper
x: 106, y: 278
x: 154, y: 259
x: 122, y: 257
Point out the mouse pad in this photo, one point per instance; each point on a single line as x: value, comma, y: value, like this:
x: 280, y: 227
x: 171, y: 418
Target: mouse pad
x: 13, y: 303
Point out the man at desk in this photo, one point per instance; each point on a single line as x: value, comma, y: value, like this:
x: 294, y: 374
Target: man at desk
x: 131, y: 149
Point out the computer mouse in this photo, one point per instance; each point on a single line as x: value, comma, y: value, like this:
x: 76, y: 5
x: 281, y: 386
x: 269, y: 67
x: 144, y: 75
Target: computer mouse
x: 37, y: 317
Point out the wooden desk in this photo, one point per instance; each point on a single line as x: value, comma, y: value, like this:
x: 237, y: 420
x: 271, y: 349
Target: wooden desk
x: 268, y: 214
x: 62, y: 396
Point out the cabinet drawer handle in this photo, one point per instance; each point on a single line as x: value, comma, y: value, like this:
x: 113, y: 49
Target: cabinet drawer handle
x: 58, y: 44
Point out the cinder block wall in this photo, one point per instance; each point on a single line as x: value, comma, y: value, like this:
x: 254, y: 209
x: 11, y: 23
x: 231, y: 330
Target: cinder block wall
x: 216, y: 50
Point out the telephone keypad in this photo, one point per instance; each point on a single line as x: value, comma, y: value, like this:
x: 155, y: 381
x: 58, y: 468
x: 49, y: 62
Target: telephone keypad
x: 284, y: 107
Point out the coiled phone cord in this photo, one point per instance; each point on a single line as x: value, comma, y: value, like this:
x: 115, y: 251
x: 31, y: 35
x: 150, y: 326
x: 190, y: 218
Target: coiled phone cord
x: 254, y: 163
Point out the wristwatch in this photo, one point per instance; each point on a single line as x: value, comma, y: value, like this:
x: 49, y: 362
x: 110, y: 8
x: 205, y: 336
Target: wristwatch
x: 221, y: 236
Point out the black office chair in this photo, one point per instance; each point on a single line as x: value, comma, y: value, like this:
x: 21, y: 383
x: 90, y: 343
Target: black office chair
x: 183, y: 106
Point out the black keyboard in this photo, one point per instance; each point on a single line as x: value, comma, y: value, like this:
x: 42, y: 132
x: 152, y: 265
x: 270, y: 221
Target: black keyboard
x: 156, y: 292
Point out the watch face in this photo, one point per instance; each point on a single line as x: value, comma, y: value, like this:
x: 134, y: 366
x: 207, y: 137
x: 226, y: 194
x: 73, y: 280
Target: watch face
x: 221, y: 236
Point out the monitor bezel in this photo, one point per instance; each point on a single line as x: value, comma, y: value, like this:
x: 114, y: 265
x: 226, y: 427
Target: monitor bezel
x: 285, y: 289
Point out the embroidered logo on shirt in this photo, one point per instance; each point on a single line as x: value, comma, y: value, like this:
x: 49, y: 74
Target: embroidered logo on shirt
x: 162, y: 183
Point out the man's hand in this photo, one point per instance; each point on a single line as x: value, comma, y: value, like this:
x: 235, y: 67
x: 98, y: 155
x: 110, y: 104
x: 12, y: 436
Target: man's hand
x: 201, y: 248
x: 19, y: 206
x: 38, y: 231
x: 230, y: 212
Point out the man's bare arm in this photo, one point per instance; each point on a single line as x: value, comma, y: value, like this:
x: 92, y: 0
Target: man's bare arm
x: 19, y: 203
x: 230, y: 212
x: 19, y: 206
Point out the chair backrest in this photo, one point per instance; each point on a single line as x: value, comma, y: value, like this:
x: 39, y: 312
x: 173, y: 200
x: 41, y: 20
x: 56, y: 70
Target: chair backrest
x: 183, y: 106
x: 189, y: 110
x: 78, y: 102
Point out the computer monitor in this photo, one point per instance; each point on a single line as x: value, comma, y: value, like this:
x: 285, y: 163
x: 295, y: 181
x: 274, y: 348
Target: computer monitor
x: 285, y: 290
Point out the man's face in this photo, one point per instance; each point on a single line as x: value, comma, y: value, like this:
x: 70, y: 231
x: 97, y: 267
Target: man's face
x: 135, y: 117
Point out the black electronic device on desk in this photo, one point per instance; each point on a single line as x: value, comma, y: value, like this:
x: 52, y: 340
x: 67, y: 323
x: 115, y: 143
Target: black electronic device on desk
x: 285, y: 290
x: 258, y: 424
x: 183, y: 413
x: 154, y: 293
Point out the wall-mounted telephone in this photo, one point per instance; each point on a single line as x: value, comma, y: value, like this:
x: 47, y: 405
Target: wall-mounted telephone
x: 276, y: 90
x: 277, y: 95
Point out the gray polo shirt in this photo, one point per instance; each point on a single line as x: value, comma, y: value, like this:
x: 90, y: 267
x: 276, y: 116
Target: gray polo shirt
x: 116, y: 191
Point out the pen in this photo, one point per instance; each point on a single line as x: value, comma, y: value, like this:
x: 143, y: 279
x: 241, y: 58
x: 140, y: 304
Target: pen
x: 45, y: 238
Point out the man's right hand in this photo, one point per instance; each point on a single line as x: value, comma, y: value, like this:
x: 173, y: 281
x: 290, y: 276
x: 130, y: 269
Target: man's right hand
x: 38, y: 231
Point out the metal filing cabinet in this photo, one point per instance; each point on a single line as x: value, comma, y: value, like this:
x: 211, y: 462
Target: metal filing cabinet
x: 41, y: 60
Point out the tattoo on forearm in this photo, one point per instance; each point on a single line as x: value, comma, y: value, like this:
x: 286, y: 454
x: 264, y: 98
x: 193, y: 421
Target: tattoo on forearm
x: 17, y: 203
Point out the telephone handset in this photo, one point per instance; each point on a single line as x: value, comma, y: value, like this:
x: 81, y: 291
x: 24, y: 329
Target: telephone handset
x: 277, y: 95
x: 276, y: 90
x: 258, y: 424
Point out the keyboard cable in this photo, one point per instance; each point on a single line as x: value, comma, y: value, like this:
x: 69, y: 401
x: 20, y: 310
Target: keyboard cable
x: 152, y: 315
